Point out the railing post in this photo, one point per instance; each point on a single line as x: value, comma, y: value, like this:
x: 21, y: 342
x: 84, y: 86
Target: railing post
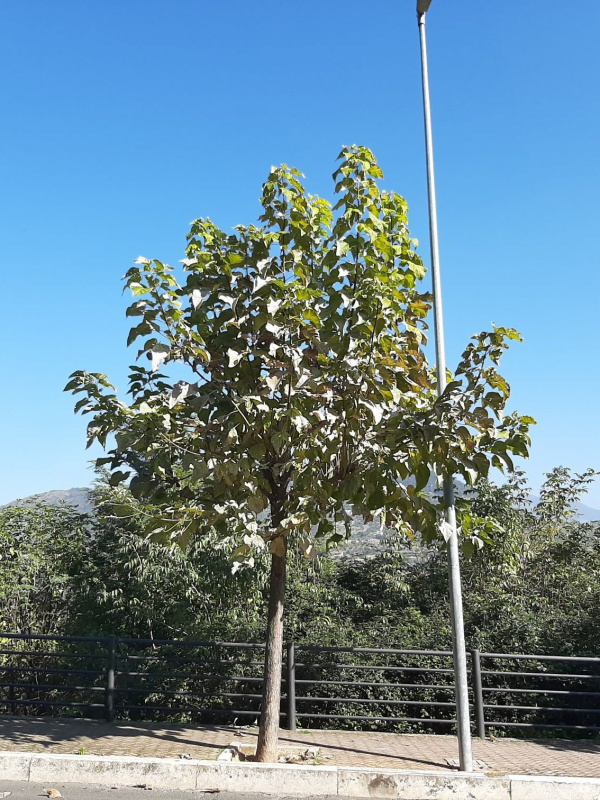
x: 11, y: 697
x: 111, y: 666
x: 478, y: 693
x: 291, y: 686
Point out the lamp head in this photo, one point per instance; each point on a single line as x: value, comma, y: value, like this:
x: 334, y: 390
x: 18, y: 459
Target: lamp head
x: 423, y: 7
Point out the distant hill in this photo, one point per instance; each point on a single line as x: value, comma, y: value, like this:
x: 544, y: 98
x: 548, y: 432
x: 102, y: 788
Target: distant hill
x: 585, y: 513
x: 79, y: 497
x: 367, y: 538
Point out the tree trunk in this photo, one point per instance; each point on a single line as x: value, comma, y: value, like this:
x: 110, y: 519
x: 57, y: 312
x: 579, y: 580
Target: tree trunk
x: 268, y: 733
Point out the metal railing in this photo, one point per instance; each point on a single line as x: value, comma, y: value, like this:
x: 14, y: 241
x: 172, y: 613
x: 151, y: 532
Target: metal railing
x: 398, y: 688
x: 377, y: 688
x: 567, y: 699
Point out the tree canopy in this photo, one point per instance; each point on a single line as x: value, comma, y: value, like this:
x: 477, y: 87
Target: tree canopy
x: 300, y: 353
x: 297, y: 388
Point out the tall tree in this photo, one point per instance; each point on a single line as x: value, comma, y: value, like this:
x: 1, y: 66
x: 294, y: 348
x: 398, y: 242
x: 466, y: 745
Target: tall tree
x: 536, y: 588
x: 303, y: 385
x: 38, y: 546
x: 122, y: 584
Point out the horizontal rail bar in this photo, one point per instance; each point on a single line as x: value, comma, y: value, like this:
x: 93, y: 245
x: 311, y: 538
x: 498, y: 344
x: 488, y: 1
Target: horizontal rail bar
x: 173, y: 643
x: 545, y: 726
x: 38, y: 687
x: 544, y: 708
x: 445, y: 688
x: 54, y: 670
x: 168, y: 659
x: 379, y: 719
x: 53, y: 703
x: 379, y: 702
x: 51, y: 654
x: 313, y: 648
x: 181, y: 693
x: 524, y: 657
x: 44, y: 637
x: 190, y: 677
x: 541, y: 691
x: 378, y: 668
x: 561, y: 675
x: 179, y: 709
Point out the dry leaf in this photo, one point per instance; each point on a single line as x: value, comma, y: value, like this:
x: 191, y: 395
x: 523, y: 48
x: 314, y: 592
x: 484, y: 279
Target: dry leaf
x: 53, y: 793
x: 277, y: 546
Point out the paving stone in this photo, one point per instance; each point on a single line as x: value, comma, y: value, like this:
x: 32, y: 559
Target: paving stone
x: 336, y: 748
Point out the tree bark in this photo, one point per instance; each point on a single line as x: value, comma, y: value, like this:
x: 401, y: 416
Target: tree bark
x: 268, y: 733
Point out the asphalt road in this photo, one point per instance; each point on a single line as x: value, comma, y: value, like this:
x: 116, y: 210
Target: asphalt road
x: 82, y: 791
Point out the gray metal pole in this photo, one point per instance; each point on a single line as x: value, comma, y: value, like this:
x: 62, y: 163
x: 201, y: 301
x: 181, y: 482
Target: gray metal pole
x: 111, y: 666
x: 458, y: 632
x: 478, y: 693
x: 291, y: 686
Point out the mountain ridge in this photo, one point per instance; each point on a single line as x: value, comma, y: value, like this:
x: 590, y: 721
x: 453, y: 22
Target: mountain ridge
x: 80, y: 497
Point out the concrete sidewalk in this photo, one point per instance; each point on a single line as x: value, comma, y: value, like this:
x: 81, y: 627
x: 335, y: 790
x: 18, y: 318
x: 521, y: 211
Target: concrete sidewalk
x: 557, y: 757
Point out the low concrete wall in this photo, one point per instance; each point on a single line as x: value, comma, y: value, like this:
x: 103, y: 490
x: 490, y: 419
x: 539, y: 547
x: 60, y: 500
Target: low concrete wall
x: 162, y: 773
x: 546, y: 787
x: 412, y: 785
x: 14, y: 766
x: 290, y: 779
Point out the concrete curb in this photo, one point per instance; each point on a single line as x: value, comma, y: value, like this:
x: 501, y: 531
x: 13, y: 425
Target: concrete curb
x: 275, y: 779
x: 549, y: 787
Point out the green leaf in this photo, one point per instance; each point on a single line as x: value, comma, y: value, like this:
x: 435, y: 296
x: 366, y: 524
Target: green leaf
x: 312, y: 316
x: 278, y: 441
x: 257, y: 451
x: 341, y: 247
x: 382, y: 243
x: 422, y: 474
x: 118, y: 477
x: 137, y: 289
x: 200, y: 470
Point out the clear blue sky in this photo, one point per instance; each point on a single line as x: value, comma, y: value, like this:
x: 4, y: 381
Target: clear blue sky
x: 126, y: 119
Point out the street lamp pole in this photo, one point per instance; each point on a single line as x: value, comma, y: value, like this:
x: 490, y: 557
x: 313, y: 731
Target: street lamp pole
x: 456, y: 608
